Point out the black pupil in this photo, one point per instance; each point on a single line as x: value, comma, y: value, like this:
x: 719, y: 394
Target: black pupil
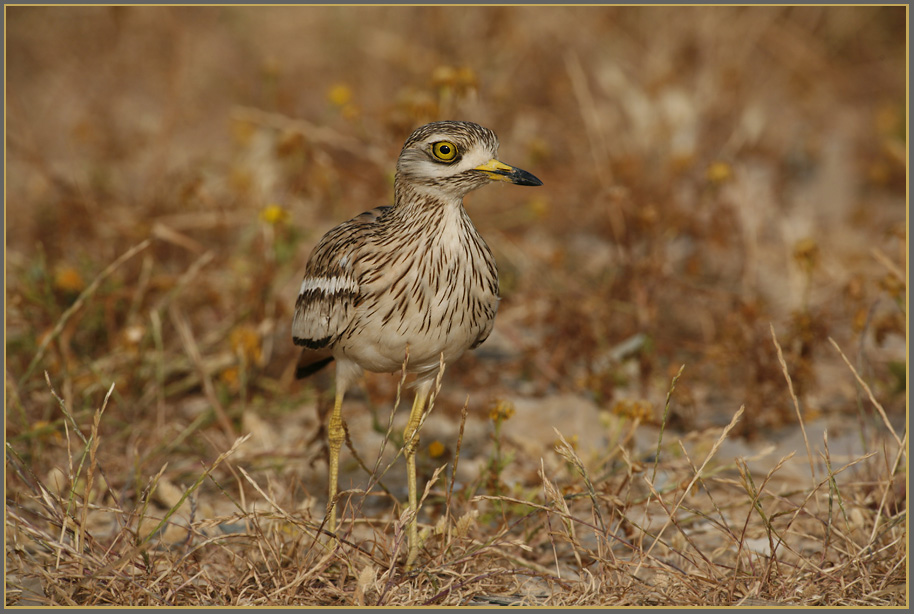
x: 444, y: 150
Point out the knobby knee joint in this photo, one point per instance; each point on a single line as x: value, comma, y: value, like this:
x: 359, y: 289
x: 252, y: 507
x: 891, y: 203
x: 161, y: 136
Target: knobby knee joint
x: 335, y: 433
x: 410, y: 439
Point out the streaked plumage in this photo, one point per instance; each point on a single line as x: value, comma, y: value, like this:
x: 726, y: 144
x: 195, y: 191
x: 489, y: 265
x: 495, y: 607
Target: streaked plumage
x: 416, y: 275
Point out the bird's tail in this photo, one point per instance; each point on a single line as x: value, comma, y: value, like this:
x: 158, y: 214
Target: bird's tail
x: 312, y: 361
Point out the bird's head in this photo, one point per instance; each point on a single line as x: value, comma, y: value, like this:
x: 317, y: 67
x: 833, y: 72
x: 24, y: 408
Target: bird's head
x: 452, y: 158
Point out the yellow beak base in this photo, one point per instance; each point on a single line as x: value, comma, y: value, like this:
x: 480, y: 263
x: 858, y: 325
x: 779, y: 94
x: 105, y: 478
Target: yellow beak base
x: 499, y: 171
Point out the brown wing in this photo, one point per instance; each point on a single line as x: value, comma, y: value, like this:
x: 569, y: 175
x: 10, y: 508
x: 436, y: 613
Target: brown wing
x: 330, y: 288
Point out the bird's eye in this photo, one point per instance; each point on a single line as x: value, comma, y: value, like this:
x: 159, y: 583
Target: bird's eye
x: 444, y: 151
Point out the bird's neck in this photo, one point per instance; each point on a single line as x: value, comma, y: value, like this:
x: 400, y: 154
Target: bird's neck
x: 430, y: 213
x: 412, y: 199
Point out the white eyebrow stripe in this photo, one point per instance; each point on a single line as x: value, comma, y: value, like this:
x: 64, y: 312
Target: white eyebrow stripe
x: 328, y: 285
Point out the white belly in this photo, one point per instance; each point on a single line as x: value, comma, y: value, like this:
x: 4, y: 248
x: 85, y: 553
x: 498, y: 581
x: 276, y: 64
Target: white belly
x: 429, y: 321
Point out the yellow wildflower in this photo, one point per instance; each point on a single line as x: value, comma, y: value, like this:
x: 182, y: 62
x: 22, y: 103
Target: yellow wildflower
x: 68, y: 279
x: 245, y: 342
x: 436, y: 449
x: 502, y: 410
x: 339, y: 95
x: 274, y: 214
x: 638, y: 409
x: 719, y: 172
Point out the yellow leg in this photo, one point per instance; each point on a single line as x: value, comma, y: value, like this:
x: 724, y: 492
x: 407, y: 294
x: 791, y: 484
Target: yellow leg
x: 335, y: 438
x: 411, y: 443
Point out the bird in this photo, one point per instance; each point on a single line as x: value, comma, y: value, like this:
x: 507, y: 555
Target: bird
x: 410, y: 285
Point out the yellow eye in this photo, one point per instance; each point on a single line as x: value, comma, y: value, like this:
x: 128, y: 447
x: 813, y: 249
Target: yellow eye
x: 444, y: 151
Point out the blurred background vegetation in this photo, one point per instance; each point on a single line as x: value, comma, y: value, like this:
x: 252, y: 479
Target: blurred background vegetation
x: 708, y: 172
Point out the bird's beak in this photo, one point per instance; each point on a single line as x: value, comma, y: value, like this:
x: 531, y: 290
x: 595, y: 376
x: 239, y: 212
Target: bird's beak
x: 500, y: 171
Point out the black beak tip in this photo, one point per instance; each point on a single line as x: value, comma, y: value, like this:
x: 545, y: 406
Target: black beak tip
x: 522, y: 177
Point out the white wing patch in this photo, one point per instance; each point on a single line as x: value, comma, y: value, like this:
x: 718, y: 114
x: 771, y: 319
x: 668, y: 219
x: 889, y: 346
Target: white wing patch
x: 323, y: 310
x: 328, y: 285
x: 329, y: 293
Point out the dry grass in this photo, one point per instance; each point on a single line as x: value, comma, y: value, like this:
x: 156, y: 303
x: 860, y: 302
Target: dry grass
x: 724, y: 189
